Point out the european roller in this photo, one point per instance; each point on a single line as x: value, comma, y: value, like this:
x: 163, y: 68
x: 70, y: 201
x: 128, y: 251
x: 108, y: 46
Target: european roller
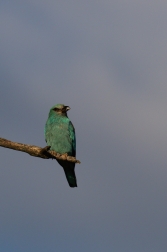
x: 60, y: 136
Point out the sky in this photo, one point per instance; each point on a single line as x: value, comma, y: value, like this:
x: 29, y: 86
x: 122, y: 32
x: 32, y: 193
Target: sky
x: 107, y: 60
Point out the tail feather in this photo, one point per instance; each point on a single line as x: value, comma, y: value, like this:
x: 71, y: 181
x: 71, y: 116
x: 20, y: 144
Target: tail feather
x: 69, y: 169
x: 70, y: 175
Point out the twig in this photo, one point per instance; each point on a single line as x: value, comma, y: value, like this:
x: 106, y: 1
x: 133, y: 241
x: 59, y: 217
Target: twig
x: 37, y: 151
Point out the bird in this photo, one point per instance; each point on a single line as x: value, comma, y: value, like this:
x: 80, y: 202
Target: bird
x: 60, y: 136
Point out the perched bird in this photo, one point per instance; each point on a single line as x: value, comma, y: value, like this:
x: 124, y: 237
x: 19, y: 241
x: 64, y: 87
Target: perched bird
x: 60, y: 136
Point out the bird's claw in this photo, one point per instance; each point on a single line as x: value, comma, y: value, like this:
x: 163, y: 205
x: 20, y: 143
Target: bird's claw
x: 45, y: 150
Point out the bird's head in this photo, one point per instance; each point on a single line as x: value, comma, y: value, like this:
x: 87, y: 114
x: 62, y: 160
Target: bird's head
x: 60, y: 109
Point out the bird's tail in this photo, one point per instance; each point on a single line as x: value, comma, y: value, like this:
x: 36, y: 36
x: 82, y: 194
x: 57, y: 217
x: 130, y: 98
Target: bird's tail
x: 69, y: 169
x: 70, y: 175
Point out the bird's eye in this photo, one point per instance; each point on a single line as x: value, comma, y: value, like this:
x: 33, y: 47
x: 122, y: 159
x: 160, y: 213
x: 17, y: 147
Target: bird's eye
x: 56, y: 109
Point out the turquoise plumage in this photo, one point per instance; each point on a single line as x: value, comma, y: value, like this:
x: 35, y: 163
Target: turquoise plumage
x: 60, y: 136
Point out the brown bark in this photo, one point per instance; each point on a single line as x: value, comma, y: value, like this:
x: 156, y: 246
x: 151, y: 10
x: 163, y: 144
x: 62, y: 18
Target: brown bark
x: 36, y: 151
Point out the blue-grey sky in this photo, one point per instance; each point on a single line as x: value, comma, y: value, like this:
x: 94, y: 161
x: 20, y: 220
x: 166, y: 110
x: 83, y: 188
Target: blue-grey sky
x: 107, y: 60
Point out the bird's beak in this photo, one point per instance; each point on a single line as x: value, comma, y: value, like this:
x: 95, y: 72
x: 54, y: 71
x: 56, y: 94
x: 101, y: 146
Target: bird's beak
x: 67, y: 108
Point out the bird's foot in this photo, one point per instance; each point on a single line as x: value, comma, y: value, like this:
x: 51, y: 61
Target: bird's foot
x: 44, y: 151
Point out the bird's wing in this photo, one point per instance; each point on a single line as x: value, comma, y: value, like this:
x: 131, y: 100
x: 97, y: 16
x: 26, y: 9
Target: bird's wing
x: 72, y: 137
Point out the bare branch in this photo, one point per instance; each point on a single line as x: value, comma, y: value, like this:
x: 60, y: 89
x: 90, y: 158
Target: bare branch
x: 36, y: 151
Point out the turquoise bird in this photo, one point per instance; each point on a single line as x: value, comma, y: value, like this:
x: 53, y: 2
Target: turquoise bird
x: 60, y: 136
